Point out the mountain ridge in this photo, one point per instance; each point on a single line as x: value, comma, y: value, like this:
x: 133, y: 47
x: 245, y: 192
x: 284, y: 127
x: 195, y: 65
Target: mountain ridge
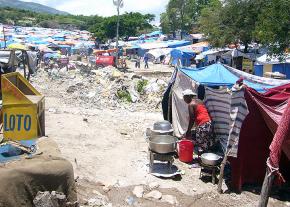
x: 31, y: 6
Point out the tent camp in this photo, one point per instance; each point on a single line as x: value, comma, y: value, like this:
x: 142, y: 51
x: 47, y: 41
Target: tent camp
x: 265, y: 103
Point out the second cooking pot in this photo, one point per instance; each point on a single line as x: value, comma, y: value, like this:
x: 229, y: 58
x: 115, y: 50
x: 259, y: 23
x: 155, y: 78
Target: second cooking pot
x: 162, y: 144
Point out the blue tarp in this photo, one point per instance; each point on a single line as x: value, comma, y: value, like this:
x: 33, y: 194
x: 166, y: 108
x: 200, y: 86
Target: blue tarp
x: 218, y: 75
x: 182, y: 55
x: 175, y: 44
x: 8, y: 153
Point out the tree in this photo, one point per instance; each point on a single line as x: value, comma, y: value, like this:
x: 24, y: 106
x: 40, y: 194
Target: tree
x: 234, y: 21
x: 273, y: 27
x: 181, y: 15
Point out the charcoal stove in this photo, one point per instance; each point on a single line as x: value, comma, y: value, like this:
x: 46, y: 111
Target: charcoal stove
x: 209, y: 170
x: 154, y: 156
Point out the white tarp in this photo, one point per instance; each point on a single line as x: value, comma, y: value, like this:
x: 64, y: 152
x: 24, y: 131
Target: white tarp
x: 155, y: 45
x: 180, y: 116
x: 156, y: 53
x: 265, y: 59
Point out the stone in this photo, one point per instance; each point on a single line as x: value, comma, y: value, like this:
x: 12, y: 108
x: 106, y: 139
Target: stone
x: 153, y: 195
x: 95, y: 202
x: 47, y: 199
x: 169, y: 199
x: 106, y: 189
x: 153, y: 185
x: 138, y: 191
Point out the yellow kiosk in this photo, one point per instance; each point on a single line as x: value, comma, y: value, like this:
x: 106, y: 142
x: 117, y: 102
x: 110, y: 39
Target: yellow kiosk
x: 23, y: 109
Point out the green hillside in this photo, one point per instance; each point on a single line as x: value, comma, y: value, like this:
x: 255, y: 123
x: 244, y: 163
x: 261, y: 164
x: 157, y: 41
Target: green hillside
x: 29, y: 6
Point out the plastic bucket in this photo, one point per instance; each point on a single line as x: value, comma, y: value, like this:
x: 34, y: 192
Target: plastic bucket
x: 185, y: 151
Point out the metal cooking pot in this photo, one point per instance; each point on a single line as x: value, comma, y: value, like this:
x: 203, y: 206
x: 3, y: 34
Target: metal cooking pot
x: 210, y: 159
x: 162, y: 144
x: 162, y: 126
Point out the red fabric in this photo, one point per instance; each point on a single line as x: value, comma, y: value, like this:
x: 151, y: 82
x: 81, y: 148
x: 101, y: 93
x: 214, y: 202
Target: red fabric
x: 202, y: 115
x: 257, y: 134
x: 282, y: 135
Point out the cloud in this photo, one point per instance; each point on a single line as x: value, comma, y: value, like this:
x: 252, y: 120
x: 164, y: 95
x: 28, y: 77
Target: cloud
x: 105, y: 7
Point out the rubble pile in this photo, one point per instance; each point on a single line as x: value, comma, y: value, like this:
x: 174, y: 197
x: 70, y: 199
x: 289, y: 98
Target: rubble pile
x: 100, y: 88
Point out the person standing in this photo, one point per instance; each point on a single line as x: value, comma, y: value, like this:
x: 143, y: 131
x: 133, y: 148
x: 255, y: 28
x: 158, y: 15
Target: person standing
x: 146, y: 59
x: 137, y: 64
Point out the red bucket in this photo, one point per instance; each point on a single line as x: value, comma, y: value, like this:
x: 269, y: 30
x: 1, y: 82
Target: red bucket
x: 185, y: 151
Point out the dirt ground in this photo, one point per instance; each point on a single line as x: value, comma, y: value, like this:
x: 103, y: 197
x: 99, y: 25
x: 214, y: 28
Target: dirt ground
x: 108, y: 150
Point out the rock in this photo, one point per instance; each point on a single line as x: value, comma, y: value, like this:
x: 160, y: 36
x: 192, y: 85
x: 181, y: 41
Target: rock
x: 153, y: 185
x: 106, y: 189
x: 95, y: 202
x: 47, y: 199
x: 85, y: 119
x: 91, y: 94
x: 98, y: 199
x: 153, y: 195
x: 170, y: 199
x: 138, y: 191
x: 71, y: 89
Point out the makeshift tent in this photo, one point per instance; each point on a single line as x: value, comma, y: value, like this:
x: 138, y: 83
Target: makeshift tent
x: 157, y: 53
x: 221, y: 75
x: 266, y: 64
x: 175, y: 44
x: 184, y: 56
x: 255, y: 135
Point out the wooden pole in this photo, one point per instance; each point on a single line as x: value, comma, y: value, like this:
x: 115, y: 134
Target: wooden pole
x: 267, y: 185
x: 221, y: 177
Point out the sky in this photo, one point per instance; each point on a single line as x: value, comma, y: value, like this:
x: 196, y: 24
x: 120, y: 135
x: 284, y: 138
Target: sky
x: 105, y: 7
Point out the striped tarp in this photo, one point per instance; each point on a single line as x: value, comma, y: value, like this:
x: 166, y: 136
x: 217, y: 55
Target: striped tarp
x: 228, y: 109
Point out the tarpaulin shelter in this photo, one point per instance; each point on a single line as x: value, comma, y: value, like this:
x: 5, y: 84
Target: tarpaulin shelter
x: 266, y: 64
x: 184, y: 56
x: 257, y: 135
x: 157, y: 53
x: 176, y: 43
x: 264, y: 113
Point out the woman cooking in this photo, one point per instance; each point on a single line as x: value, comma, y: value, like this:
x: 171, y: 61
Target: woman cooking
x: 199, y: 116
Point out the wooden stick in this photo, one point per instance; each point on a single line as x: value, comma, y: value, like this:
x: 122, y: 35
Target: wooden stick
x: 267, y: 185
x: 221, y: 177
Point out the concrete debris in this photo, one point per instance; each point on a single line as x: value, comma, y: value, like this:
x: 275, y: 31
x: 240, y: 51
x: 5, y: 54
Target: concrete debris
x: 153, y: 185
x: 169, y: 199
x: 138, y: 191
x: 103, y: 87
x: 53, y: 199
x: 153, y: 195
x: 130, y: 200
x: 99, y: 200
x: 106, y: 189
